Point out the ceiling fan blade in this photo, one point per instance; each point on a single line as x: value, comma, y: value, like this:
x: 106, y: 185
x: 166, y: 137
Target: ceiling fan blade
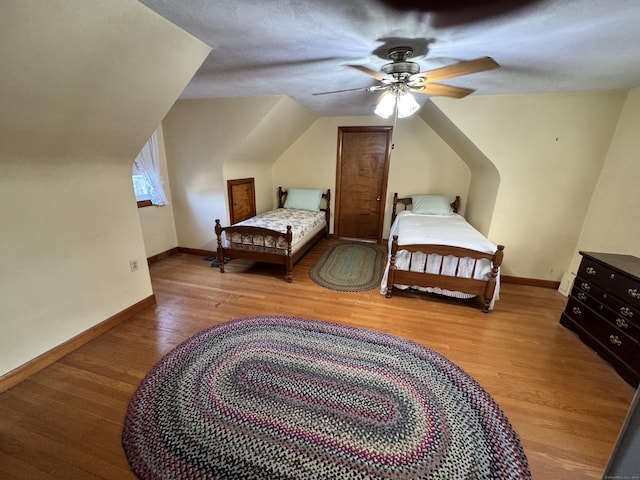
x: 461, y: 68
x: 372, y: 73
x: 441, y: 90
x: 368, y: 89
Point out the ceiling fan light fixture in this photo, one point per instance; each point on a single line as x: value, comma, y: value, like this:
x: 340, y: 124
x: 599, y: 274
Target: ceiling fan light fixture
x: 399, y: 101
x: 406, y: 105
x: 386, y: 105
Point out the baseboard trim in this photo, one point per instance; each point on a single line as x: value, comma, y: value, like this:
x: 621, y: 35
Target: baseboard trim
x: 174, y: 250
x: 162, y: 255
x: 196, y: 251
x: 24, y: 371
x: 532, y: 282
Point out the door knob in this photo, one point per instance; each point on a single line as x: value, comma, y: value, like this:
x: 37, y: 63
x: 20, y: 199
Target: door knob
x: 378, y: 198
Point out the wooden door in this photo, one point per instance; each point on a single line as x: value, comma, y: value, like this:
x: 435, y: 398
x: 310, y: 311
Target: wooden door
x: 242, y: 199
x: 361, y: 182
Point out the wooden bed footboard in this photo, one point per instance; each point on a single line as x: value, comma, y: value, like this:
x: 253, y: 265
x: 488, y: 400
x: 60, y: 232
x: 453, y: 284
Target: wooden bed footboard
x: 471, y: 286
x: 268, y: 249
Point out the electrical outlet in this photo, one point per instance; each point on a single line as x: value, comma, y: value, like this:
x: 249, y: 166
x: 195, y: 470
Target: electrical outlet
x: 133, y: 264
x: 567, y: 283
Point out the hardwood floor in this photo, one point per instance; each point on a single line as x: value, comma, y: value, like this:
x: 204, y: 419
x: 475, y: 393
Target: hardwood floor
x: 566, y: 403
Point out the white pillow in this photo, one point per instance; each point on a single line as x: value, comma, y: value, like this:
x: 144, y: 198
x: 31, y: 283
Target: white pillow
x: 303, y: 199
x: 431, y: 205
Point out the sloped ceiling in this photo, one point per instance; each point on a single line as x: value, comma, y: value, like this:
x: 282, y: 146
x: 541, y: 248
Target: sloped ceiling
x: 86, y: 79
x: 297, y: 48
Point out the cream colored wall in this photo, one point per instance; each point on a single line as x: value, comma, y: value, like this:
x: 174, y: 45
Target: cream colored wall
x: 420, y: 162
x: 70, y: 227
x: 485, y: 178
x: 211, y: 141
x: 157, y: 222
x: 612, y: 222
x: 549, y: 151
x: 83, y: 85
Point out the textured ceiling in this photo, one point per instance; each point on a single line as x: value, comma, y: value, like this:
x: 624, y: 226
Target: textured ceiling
x: 298, y: 47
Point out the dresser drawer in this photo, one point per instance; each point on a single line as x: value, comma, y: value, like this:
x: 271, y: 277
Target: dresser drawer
x: 609, y: 307
x: 611, y: 281
x: 588, y: 288
x: 614, y: 339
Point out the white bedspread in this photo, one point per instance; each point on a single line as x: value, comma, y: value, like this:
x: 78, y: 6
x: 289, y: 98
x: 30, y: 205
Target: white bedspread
x: 452, y: 230
x: 304, y: 224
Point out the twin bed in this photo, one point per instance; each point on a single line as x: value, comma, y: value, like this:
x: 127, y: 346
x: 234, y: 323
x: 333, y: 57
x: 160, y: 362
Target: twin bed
x: 281, y: 236
x: 431, y: 247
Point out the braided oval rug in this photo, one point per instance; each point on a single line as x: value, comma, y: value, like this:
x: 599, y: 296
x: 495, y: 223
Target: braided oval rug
x: 350, y: 267
x: 275, y: 397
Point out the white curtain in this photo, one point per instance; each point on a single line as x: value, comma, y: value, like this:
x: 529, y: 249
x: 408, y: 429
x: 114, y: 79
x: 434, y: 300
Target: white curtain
x: 147, y: 163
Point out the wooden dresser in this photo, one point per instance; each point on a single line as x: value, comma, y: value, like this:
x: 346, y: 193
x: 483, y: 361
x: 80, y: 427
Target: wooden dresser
x: 604, y: 309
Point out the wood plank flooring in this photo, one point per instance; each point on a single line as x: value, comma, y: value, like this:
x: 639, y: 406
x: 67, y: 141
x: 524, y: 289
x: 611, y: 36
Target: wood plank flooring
x: 565, y: 402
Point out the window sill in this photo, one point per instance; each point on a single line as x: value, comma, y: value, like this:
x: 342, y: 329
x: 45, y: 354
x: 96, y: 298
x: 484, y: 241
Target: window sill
x: 144, y: 203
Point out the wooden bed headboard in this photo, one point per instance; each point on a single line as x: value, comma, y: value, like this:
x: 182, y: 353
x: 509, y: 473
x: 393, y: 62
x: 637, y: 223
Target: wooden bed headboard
x: 406, y: 202
x: 325, y: 203
x: 282, y: 197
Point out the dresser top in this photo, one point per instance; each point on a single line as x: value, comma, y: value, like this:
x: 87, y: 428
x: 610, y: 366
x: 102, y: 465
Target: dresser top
x: 623, y: 263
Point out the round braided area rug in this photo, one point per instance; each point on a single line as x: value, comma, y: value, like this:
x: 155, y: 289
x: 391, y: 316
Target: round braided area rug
x: 275, y: 397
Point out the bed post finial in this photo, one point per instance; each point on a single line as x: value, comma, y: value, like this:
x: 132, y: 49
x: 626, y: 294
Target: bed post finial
x: 497, y: 261
x: 327, y: 212
x: 288, y: 260
x: 395, y: 204
x: 456, y: 204
x: 280, y: 194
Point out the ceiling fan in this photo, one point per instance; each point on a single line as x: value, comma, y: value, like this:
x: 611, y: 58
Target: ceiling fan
x: 402, y: 76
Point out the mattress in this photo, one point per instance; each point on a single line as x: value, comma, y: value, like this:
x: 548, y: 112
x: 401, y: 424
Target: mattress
x: 304, y: 224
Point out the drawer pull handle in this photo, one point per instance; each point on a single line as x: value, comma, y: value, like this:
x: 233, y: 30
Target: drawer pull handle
x: 582, y: 296
x: 622, y: 323
x: 612, y: 276
x: 585, y: 286
x: 626, y: 311
x: 633, y: 292
x: 577, y: 311
x: 615, y: 340
x: 590, y: 271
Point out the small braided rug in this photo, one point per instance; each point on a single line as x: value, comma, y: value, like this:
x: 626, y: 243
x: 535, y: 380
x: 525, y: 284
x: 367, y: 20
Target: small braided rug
x: 273, y: 397
x: 349, y: 267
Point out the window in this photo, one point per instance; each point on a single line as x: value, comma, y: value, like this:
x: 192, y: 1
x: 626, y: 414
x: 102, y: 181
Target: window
x: 142, y: 189
x: 145, y: 174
